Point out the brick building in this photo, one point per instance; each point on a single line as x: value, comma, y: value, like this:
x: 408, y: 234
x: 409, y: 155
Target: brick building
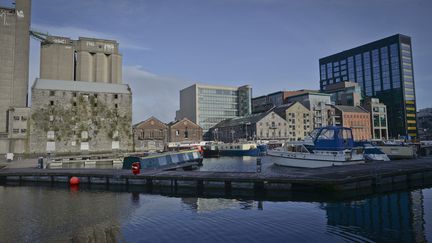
x: 184, y: 130
x: 150, y: 135
x: 354, y: 117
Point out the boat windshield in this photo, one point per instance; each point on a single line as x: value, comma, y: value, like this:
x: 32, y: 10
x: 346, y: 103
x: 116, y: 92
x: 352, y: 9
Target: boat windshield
x: 314, y: 133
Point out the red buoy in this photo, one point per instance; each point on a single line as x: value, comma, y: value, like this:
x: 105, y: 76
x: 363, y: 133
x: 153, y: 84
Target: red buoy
x: 74, y: 180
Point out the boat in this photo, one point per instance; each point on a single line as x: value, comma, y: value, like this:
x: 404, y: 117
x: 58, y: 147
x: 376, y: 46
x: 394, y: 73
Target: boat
x: 158, y: 160
x: 373, y: 153
x: 239, y: 149
x: 327, y: 146
x: 211, y: 150
x: 397, y: 149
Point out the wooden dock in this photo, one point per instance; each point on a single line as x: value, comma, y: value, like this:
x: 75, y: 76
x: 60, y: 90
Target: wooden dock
x: 375, y: 175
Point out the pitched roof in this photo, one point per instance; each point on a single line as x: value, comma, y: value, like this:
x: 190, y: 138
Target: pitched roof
x: 147, y: 120
x: 346, y: 108
x: 81, y: 86
x: 253, y: 118
x: 174, y: 123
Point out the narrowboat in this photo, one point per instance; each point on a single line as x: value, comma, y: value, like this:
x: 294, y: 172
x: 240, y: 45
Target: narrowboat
x: 156, y: 160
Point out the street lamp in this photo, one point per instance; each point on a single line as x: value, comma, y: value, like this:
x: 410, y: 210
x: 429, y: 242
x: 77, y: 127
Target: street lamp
x: 246, y: 127
x: 232, y: 135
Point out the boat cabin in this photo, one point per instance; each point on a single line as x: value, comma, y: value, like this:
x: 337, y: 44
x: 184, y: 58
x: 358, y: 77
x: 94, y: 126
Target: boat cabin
x: 332, y: 138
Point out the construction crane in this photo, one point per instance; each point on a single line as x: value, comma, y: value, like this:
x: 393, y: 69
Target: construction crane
x: 42, y: 37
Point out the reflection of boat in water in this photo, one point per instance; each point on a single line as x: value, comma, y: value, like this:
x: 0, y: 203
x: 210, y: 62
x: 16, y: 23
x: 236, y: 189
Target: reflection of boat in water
x: 160, y: 160
x: 397, y: 150
x: 329, y: 146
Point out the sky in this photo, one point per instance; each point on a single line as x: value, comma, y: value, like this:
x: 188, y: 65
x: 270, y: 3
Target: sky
x: 272, y: 45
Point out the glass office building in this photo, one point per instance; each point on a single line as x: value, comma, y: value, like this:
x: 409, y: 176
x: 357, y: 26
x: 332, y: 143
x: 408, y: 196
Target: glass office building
x: 383, y: 69
x: 207, y: 105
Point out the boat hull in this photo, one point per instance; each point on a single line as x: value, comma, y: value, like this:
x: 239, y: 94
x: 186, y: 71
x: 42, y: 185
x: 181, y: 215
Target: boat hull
x: 399, y: 152
x: 310, y: 160
x: 233, y: 152
x: 211, y: 153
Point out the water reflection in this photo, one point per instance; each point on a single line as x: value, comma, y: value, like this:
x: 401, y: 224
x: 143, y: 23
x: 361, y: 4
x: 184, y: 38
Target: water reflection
x: 35, y: 213
x: 392, y: 217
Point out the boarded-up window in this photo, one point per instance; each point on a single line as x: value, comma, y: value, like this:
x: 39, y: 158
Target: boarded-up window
x: 50, y: 146
x: 115, y: 145
x: 84, y: 146
x: 50, y: 134
x: 84, y: 135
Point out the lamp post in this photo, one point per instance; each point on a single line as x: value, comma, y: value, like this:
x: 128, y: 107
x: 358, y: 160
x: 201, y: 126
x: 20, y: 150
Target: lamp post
x: 246, y: 127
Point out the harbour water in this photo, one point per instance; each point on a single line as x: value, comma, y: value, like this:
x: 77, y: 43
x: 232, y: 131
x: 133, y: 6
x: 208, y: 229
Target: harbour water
x: 58, y: 213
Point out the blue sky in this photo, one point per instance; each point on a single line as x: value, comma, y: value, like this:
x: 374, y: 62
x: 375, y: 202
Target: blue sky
x: 270, y: 44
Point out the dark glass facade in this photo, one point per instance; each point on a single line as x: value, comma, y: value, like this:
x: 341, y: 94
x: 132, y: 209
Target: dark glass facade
x: 383, y: 69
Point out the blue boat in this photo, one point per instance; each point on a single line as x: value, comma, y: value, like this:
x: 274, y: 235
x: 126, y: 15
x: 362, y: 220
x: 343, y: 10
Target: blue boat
x: 152, y: 161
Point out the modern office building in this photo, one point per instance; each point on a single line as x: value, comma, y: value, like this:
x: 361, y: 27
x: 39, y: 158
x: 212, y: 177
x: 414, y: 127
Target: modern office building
x: 383, y: 69
x: 207, y: 105
x: 14, y: 72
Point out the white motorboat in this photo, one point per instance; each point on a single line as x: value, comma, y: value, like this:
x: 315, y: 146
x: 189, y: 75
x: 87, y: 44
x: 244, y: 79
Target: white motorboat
x: 328, y: 146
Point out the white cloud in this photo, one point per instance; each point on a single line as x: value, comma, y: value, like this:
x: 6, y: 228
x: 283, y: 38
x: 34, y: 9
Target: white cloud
x: 153, y: 95
x: 75, y: 32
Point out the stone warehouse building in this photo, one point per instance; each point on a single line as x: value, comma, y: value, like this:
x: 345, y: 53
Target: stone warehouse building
x: 150, y: 135
x: 80, y: 104
x: 266, y: 126
x: 299, y: 118
x: 14, y: 70
x: 74, y: 117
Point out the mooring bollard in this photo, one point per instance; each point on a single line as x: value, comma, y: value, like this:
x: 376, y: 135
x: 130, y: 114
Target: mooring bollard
x: 258, y: 167
x: 40, y: 163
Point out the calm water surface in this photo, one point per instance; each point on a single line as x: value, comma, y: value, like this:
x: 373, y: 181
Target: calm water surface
x: 59, y: 213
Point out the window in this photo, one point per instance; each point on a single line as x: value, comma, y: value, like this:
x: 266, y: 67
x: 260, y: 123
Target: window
x: 116, y: 96
x: 177, y: 132
x: 186, y: 133
x: 16, y: 118
x: 326, y: 134
x: 23, y: 118
x: 74, y: 94
x: 74, y: 104
x: 51, y: 102
x: 52, y: 93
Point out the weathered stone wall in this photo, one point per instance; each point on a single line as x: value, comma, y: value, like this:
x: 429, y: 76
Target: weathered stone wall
x: 69, y: 122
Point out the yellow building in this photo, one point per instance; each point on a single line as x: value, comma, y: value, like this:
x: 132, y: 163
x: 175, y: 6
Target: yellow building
x: 299, y: 119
